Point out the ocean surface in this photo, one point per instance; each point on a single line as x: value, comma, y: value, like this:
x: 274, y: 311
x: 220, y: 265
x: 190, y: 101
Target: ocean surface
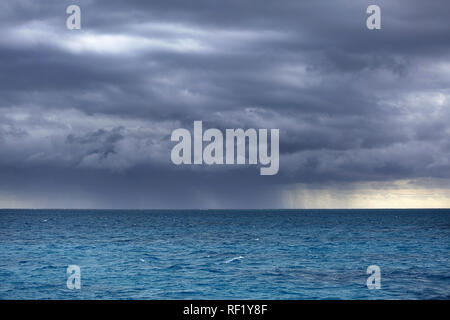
x: 192, y: 254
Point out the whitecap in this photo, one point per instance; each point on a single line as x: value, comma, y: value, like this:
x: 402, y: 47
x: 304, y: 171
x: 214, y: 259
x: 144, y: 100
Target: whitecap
x: 233, y: 259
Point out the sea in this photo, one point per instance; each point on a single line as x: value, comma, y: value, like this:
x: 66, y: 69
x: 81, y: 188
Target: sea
x: 224, y: 254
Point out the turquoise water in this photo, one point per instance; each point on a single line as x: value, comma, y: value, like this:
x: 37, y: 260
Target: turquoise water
x: 278, y: 254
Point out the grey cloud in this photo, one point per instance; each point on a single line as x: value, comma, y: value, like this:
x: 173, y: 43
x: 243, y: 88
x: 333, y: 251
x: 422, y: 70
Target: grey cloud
x: 351, y: 104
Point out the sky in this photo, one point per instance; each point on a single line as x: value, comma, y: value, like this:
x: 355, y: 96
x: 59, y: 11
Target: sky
x: 86, y: 115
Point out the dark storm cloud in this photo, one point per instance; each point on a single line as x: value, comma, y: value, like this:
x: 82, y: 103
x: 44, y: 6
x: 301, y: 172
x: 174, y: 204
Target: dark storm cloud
x: 93, y: 109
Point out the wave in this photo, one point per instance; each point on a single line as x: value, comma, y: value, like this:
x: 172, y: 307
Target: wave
x: 233, y: 259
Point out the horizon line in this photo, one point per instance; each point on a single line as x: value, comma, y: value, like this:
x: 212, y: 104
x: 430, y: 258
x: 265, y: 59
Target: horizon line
x: 225, y: 209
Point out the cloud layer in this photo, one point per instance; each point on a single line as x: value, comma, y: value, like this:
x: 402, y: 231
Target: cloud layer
x: 86, y: 115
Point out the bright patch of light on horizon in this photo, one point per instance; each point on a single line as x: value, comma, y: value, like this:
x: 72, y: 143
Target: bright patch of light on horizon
x: 396, y: 195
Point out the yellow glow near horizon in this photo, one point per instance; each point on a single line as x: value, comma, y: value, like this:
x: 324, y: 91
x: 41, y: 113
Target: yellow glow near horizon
x: 396, y: 195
